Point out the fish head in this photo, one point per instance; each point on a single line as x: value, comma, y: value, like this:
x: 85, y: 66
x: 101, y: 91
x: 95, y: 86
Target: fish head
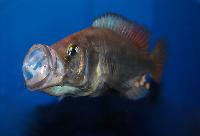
x: 59, y: 69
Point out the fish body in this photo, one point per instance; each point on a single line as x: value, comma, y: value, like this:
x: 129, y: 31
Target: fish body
x: 112, y: 53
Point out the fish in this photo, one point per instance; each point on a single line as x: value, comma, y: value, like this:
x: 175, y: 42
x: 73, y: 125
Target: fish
x: 112, y: 53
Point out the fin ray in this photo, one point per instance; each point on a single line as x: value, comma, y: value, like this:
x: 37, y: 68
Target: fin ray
x: 158, y: 58
x: 136, y: 88
x: 126, y: 28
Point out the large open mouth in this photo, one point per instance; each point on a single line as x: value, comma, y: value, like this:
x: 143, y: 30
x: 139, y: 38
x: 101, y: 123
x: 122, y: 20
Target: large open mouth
x: 44, y: 70
x: 41, y: 67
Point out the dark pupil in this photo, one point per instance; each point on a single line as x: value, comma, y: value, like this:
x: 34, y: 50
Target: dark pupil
x: 72, y: 50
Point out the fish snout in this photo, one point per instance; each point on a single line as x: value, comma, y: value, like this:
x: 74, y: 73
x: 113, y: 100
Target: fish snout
x: 39, y: 67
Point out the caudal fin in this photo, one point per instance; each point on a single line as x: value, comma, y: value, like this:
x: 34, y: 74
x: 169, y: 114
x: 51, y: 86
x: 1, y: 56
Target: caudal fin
x: 158, y: 58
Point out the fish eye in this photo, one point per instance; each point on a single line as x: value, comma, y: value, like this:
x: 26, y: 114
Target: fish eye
x: 72, y: 50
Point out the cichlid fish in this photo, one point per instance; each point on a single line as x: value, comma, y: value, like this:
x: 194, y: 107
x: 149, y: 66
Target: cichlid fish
x: 112, y: 53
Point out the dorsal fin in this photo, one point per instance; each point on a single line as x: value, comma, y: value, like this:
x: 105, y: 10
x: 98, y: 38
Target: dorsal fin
x: 126, y: 28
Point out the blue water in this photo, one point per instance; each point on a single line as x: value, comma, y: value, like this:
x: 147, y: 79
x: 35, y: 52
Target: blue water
x: 176, y: 111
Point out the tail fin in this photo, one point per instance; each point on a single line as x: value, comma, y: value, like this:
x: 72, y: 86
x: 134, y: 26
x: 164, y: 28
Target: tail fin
x: 158, y: 58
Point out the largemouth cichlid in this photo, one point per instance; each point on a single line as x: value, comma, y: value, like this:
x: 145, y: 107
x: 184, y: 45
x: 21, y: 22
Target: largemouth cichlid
x: 112, y: 53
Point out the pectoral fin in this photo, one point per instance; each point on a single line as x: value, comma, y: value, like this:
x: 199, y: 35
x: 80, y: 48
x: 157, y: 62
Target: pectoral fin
x: 136, y: 88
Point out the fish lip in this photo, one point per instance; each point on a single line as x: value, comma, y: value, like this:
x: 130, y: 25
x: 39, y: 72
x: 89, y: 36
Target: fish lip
x: 55, y: 69
x: 46, y: 87
x: 66, y: 90
x: 44, y: 48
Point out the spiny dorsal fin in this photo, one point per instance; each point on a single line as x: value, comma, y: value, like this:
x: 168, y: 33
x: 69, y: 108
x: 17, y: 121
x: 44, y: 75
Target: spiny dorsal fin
x: 126, y: 28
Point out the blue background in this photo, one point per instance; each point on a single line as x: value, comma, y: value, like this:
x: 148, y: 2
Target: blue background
x: 176, y: 111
